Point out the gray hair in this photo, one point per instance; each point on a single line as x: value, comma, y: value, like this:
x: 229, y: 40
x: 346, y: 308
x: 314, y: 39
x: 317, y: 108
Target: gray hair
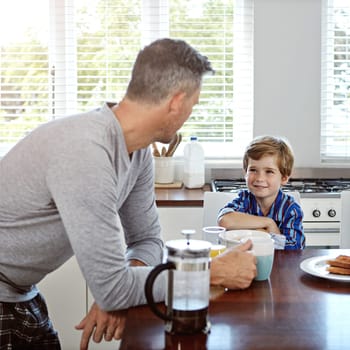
x: 164, y: 67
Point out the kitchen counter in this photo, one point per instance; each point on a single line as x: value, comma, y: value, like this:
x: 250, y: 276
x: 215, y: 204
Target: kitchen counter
x: 293, y: 310
x: 180, y: 197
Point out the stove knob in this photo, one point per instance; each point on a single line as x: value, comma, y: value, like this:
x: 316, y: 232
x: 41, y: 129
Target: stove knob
x: 332, y: 213
x: 316, y: 213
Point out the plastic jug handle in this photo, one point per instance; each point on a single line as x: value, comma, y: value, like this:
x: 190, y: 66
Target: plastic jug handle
x: 149, y: 289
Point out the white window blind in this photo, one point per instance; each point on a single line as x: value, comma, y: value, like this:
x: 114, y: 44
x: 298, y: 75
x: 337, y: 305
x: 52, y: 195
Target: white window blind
x: 335, y: 103
x: 87, y: 56
x: 24, y: 69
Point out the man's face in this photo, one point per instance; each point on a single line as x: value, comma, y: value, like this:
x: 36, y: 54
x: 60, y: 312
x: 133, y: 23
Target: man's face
x: 188, y: 104
x: 183, y: 112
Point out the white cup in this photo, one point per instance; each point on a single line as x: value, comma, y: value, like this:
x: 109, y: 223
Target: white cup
x: 263, y: 249
x: 211, y: 233
x: 164, y: 170
x: 233, y: 238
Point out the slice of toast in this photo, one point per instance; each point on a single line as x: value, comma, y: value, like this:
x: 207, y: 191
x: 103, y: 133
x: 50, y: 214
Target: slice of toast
x: 340, y: 265
x: 340, y: 261
x: 338, y: 270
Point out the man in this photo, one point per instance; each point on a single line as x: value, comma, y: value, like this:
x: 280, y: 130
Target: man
x: 64, y: 185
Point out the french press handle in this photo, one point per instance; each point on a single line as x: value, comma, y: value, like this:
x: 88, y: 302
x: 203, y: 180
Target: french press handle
x: 149, y: 289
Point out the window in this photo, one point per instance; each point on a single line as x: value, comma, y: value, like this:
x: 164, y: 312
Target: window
x: 24, y: 69
x: 335, y: 104
x: 83, y: 55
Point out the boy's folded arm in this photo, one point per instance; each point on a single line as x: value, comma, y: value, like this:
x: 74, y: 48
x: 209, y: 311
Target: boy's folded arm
x: 238, y: 221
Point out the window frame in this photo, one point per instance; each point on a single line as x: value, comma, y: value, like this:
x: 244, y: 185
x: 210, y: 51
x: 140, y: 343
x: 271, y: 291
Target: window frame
x: 333, y: 130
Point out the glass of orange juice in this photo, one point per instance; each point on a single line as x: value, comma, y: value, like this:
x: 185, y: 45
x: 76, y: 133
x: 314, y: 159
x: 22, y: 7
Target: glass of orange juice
x: 216, y: 249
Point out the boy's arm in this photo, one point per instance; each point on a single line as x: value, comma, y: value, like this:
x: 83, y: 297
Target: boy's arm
x: 292, y: 228
x: 239, y: 221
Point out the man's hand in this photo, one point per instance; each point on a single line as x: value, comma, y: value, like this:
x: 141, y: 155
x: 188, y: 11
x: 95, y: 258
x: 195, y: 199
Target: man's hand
x: 103, y: 324
x: 99, y: 323
x: 235, y: 268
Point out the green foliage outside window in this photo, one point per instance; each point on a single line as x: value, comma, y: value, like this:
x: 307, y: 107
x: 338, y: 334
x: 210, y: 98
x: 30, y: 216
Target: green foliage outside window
x: 108, y: 38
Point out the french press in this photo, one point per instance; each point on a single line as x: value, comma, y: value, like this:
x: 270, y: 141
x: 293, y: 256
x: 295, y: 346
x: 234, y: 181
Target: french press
x: 188, y: 285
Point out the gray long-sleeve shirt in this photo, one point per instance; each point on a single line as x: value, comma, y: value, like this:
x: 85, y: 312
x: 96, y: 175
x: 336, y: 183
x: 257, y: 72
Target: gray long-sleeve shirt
x: 61, y: 191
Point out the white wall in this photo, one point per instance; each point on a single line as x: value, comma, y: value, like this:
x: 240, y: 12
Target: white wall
x: 287, y: 85
x: 287, y: 56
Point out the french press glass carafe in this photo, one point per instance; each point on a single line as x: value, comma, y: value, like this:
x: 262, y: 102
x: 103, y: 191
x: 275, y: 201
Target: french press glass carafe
x: 188, y: 286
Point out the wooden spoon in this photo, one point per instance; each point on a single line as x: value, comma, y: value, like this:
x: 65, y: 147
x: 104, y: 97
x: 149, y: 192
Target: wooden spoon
x: 156, y: 152
x: 173, y: 146
x: 163, y: 151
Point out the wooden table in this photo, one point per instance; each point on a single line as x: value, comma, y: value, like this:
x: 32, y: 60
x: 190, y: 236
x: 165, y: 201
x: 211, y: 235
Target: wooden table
x: 293, y: 310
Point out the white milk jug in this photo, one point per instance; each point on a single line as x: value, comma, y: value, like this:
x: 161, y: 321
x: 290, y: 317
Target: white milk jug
x: 194, y: 164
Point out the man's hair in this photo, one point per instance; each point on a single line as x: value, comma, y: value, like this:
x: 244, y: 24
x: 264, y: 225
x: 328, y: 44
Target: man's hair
x: 164, y: 67
x: 274, y: 146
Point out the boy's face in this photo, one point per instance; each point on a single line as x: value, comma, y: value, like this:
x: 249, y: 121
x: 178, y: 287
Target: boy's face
x: 263, y: 177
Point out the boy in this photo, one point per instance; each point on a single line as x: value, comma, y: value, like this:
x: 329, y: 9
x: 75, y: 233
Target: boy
x: 267, y: 163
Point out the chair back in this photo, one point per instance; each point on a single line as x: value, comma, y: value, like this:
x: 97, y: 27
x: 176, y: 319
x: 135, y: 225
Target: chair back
x: 212, y: 203
x: 345, y: 220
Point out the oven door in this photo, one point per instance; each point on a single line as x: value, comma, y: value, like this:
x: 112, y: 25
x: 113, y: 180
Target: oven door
x: 322, y: 234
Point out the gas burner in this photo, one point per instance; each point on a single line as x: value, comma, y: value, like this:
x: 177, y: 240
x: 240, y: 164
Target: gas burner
x: 307, y: 186
x: 319, y: 185
x: 227, y: 185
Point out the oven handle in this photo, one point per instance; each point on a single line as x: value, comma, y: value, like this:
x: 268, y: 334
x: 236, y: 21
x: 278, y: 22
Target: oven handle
x: 322, y: 230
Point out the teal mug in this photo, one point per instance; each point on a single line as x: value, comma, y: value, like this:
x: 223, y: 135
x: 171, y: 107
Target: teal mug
x: 264, y: 250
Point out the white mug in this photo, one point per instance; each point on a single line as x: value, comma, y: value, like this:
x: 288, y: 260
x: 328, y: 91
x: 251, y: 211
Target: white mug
x: 233, y: 238
x: 264, y: 250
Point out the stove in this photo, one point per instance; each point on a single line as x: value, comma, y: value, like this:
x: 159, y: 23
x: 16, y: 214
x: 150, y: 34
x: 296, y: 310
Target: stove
x: 319, y: 199
x: 315, y: 187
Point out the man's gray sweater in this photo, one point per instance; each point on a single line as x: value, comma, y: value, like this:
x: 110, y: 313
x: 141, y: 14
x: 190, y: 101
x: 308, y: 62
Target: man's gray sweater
x: 61, y: 190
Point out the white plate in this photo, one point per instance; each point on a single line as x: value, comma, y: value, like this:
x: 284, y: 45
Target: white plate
x: 317, y: 265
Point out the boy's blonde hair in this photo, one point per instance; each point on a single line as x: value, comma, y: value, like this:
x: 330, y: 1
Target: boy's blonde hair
x: 273, y: 146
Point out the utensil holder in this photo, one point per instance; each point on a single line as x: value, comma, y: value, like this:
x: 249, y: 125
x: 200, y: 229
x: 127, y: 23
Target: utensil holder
x: 164, y: 170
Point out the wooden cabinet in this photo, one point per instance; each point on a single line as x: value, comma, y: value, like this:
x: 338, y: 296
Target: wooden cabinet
x: 180, y: 209
x: 175, y: 219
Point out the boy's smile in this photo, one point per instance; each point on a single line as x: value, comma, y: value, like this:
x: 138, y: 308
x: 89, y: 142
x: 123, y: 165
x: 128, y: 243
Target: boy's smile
x: 264, y: 179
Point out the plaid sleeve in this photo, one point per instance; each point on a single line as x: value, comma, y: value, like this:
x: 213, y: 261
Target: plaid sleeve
x: 290, y: 222
x: 240, y: 203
